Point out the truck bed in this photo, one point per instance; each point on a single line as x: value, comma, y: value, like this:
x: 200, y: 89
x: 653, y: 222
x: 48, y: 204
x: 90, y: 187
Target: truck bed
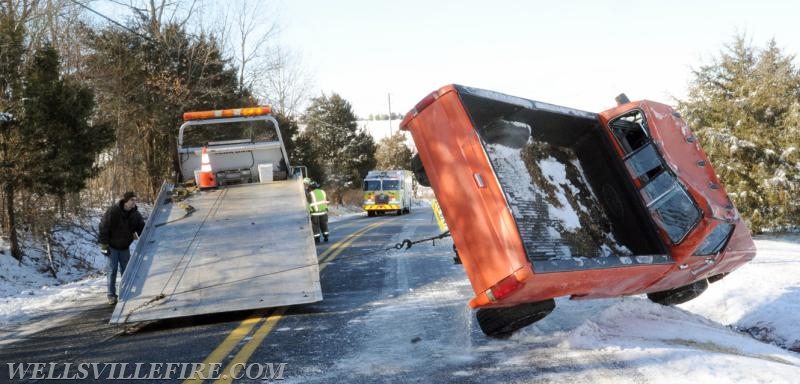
x: 568, y: 192
x: 243, y: 247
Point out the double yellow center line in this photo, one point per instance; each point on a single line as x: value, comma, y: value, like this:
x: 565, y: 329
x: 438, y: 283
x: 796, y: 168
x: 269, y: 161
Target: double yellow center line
x: 219, y: 354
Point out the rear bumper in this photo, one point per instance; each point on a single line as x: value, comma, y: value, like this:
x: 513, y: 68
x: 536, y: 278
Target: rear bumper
x: 381, y: 207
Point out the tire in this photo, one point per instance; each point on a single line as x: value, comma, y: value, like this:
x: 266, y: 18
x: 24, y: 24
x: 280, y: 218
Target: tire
x: 370, y: 213
x: 502, y: 322
x: 679, y: 295
x: 419, y: 171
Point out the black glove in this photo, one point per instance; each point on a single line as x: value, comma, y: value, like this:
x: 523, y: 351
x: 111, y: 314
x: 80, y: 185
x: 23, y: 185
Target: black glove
x: 104, y: 249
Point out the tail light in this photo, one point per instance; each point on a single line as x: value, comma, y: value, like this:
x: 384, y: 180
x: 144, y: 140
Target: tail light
x: 504, y: 288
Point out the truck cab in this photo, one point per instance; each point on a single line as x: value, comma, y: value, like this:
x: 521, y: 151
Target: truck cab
x: 544, y: 201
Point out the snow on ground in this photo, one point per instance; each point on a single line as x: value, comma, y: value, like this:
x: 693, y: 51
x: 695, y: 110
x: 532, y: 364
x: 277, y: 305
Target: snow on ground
x: 744, y: 329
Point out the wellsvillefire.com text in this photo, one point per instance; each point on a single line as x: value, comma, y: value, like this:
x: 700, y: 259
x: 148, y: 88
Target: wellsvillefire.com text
x: 144, y: 371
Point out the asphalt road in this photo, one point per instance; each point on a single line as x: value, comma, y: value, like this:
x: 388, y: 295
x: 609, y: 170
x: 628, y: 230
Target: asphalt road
x: 387, y: 315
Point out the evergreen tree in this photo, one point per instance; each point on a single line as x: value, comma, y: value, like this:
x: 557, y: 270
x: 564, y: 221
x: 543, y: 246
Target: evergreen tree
x: 289, y: 131
x: 745, y: 108
x: 61, y: 145
x: 344, y: 152
x: 303, y: 155
x: 393, y: 153
x: 12, y: 53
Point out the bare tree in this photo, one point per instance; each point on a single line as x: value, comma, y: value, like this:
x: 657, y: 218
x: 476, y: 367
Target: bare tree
x: 287, y: 84
x: 274, y: 73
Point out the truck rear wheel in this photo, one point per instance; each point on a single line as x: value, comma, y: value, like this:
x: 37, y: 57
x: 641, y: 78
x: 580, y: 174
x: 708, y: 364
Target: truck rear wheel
x: 419, y: 171
x: 679, y: 295
x: 502, y: 322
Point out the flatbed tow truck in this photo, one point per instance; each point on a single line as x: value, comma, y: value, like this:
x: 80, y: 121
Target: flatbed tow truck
x: 243, y: 243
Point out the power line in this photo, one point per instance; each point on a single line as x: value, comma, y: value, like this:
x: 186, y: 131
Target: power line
x: 112, y: 21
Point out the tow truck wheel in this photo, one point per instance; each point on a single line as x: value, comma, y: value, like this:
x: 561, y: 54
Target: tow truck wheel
x: 679, y: 295
x: 502, y: 322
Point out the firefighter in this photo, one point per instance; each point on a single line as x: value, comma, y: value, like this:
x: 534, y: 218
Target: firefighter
x: 117, y: 229
x: 318, y: 208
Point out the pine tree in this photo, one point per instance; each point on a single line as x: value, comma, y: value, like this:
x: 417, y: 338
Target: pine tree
x: 745, y: 108
x: 61, y: 145
x: 393, y: 153
x: 12, y: 41
x: 344, y: 152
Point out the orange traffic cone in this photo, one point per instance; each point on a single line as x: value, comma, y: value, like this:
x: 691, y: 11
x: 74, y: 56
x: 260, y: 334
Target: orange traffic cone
x: 206, y: 177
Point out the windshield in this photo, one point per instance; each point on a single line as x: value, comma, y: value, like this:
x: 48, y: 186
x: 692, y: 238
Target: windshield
x: 381, y: 185
x: 391, y: 185
x: 372, y: 185
x: 715, y: 240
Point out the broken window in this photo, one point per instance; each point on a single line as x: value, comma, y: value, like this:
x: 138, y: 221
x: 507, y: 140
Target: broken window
x: 644, y: 164
x: 630, y: 130
x: 670, y: 206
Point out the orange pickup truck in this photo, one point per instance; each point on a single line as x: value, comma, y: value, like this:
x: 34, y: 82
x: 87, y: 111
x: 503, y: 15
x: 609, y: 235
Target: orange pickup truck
x: 545, y: 201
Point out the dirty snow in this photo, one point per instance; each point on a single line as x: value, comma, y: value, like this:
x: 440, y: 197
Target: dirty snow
x: 557, y: 174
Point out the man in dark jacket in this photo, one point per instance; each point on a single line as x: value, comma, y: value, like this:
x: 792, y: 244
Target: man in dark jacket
x: 117, y: 228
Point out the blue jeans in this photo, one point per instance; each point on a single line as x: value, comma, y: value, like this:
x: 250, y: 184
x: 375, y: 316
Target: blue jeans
x: 116, y: 257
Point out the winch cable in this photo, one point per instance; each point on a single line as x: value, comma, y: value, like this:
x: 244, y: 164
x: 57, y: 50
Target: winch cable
x: 406, y: 243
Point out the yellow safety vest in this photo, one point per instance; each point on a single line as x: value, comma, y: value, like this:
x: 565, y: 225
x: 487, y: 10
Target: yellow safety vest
x: 319, y: 202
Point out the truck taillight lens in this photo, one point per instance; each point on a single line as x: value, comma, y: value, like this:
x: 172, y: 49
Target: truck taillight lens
x: 504, y: 288
x: 424, y: 103
x: 428, y: 100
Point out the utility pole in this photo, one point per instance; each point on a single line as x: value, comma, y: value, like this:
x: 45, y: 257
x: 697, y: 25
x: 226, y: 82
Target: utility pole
x: 390, y: 113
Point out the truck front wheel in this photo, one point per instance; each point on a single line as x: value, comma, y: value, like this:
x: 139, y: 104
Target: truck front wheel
x: 502, y: 322
x: 679, y: 295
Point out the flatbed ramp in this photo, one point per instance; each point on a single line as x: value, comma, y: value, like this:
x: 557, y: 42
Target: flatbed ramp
x: 242, y: 247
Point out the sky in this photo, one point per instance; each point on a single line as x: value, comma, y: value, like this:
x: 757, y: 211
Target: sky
x: 579, y: 54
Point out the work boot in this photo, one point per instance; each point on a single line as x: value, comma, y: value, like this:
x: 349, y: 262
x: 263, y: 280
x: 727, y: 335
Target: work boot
x: 326, y: 239
x: 112, y: 300
x: 316, y: 240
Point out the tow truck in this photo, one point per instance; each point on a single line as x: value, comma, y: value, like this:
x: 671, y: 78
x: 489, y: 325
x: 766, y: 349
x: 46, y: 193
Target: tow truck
x: 242, y: 243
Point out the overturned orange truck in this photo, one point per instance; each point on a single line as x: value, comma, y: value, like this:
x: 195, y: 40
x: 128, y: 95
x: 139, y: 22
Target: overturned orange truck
x: 545, y: 201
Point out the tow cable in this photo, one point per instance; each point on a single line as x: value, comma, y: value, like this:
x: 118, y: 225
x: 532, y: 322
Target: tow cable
x: 406, y: 243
